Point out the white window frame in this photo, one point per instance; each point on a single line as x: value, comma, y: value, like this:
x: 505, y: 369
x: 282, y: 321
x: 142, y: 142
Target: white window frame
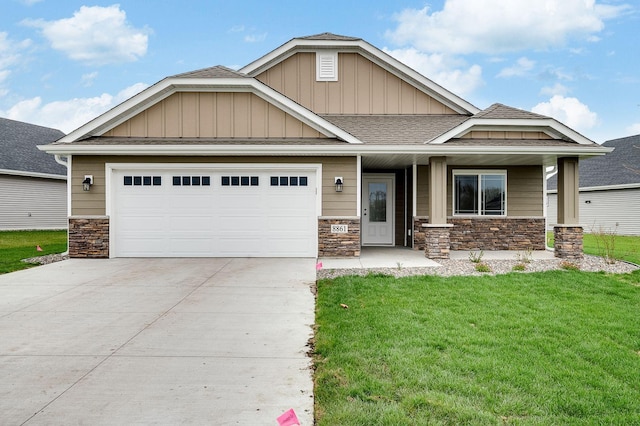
x: 479, y: 174
x: 327, y: 65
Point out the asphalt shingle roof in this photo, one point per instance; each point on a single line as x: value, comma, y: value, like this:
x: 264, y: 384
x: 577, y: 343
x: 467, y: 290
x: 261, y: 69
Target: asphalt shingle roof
x: 330, y: 36
x: 396, y: 129
x: 506, y: 112
x: 18, y: 143
x: 218, y: 71
x: 620, y: 167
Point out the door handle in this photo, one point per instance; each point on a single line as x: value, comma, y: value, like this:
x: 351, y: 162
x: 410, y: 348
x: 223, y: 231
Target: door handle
x: 365, y: 212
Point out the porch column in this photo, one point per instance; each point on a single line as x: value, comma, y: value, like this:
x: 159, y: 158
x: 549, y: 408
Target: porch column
x: 568, y: 232
x: 438, y: 241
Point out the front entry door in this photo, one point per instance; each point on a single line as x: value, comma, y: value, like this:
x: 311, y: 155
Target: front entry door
x: 378, y: 209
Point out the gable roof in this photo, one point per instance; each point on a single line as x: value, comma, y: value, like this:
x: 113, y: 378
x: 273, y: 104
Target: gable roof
x: 620, y: 167
x: 20, y: 155
x: 214, y: 79
x: 499, y: 117
x: 329, y: 41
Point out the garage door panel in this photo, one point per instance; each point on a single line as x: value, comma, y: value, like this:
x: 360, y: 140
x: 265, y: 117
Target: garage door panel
x: 255, y: 220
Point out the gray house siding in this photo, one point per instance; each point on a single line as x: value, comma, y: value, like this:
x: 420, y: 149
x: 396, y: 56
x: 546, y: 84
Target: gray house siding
x: 32, y: 203
x: 609, y: 210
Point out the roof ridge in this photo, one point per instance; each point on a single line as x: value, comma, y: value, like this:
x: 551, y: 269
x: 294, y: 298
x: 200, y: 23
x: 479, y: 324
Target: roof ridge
x: 328, y: 36
x: 214, y: 71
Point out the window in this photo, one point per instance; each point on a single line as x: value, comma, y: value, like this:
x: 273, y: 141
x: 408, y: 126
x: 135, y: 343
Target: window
x: 239, y: 181
x: 142, y: 180
x: 289, y: 180
x: 191, y: 180
x: 480, y: 193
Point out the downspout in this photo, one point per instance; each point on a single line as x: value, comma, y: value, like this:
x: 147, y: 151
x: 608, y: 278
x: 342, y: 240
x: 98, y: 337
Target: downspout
x: 64, y: 161
x: 547, y: 174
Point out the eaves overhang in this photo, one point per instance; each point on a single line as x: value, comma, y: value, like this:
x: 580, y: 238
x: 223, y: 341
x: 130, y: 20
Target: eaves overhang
x: 32, y: 174
x: 549, y: 126
x: 377, y: 56
x: 169, y: 86
x: 337, y: 150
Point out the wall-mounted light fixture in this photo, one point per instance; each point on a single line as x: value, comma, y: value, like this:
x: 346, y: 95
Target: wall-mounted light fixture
x: 87, y: 182
x: 588, y: 202
x: 338, y: 181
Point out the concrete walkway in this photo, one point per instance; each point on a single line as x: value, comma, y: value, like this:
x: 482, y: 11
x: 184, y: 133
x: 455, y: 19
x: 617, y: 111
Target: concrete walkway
x: 156, y: 341
x: 394, y: 257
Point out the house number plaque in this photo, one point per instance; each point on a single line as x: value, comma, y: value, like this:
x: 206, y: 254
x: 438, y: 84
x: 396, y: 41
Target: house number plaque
x: 339, y: 229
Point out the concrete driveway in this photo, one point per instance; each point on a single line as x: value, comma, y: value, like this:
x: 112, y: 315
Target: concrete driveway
x: 157, y: 341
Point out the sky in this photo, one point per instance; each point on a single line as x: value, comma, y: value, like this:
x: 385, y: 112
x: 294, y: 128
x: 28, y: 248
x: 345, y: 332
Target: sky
x: 64, y: 62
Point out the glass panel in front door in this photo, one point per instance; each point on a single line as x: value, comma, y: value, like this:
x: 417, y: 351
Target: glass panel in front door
x: 377, y: 202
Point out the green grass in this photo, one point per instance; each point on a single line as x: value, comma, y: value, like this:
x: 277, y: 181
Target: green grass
x: 626, y: 247
x: 18, y: 245
x: 560, y: 347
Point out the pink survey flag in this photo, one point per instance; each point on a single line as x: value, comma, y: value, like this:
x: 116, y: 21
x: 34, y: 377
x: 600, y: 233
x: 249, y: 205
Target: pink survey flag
x: 318, y: 266
x: 289, y: 419
x: 38, y: 248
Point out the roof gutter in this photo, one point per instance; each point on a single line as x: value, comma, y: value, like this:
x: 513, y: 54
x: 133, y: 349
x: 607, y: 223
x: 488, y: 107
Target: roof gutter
x: 345, y: 149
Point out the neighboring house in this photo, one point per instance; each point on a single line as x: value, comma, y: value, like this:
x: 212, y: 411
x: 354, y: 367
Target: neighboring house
x: 609, y: 190
x: 33, y: 186
x: 323, y: 145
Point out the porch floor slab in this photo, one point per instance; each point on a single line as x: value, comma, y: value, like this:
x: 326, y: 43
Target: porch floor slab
x: 392, y: 257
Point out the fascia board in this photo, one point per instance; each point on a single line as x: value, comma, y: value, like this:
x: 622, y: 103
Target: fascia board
x: 345, y: 149
x: 169, y: 86
x: 603, y: 188
x: 509, y: 124
x: 379, y: 57
x: 32, y: 174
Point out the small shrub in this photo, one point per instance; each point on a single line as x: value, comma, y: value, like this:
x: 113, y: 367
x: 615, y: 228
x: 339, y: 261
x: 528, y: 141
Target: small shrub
x: 569, y: 266
x: 606, y: 243
x: 482, y: 267
x: 525, y: 256
x: 519, y: 267
x: 476, y: 257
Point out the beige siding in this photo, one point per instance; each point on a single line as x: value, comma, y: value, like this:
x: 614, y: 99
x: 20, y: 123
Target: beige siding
x: 524, y: 191
x: 32, y: 203
x: 505, y: 135
x: 362, y: 88
x: 214, y: 115
x: 334, y: 204
x: 422, y: 205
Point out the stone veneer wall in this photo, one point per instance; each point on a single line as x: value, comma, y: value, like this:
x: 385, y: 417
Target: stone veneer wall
x: 568, y: 242
x: 419, y: 232
x: 438, y: 241
x: 89, y: 237
x: 498, y: 233
x: 338, y: 244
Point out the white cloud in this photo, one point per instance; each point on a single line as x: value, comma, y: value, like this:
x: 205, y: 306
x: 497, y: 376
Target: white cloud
x: 569, y: 111
x: 70, y: 114
x: 634, y: 129
x: 444, y: 70
x: 556, y: 89
x: 521, y: 68
x: 10, y: 56
x: 87, y: 79
x: 495, y: 26
x: 95, y: 35
x: 255, y: 38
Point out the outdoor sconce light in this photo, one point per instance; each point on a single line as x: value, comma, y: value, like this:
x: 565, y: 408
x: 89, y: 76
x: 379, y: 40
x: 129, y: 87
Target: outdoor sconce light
x: 338, y: 181
x: 87, y: 182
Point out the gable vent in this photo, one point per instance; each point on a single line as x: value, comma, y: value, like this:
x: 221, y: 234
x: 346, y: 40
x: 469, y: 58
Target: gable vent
x: 327, y: 66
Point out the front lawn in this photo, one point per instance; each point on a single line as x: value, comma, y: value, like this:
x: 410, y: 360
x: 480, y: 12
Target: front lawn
x: 625, y: 247
x: 18, y: 245
x: 558, y: 347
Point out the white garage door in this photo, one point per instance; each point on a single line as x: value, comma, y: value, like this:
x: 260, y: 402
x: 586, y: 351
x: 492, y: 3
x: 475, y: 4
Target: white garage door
x: 213, y: 212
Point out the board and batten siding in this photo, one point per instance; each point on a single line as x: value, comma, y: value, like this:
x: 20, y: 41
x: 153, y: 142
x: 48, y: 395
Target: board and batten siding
x: 610, y: 210
x: 214, y: 115
x: 363, y: 87
x: 32, y: 203
x: 93, y: 203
